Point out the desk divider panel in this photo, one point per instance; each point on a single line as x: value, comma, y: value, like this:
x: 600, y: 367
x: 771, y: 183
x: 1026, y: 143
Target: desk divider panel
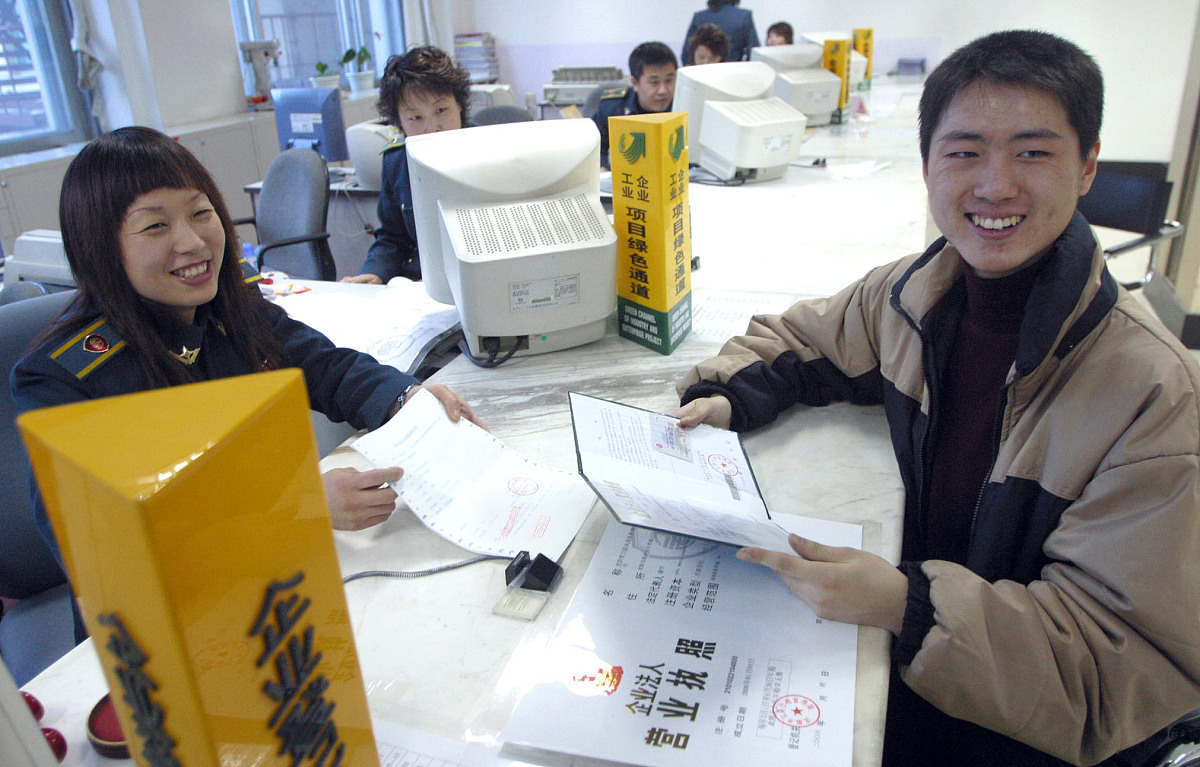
x: 195, y: 531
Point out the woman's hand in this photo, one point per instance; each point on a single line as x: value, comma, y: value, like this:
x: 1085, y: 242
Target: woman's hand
x: 369, y: 279
x: 841, y: 584
x: 456, y: 406
x: 360, y: 499
x: 714, y: 411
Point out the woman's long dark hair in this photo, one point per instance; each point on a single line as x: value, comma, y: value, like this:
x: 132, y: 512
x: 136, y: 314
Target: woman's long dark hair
x: 100, y: 184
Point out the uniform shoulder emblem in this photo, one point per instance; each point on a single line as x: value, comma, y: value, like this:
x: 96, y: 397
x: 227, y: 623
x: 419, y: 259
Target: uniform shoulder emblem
x: 613, y: 93
x: 88, y: 349
x: 395, y: 143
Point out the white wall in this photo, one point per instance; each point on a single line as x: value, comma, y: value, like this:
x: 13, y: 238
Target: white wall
x: 1142, y: 47
x: 171, y: 66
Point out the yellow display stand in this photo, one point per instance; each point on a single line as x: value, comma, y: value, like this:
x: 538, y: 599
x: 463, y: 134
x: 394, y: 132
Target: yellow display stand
x: 864, y: 43
x: 195, y: 531
x: 837, y: 60
x: 652, y: 219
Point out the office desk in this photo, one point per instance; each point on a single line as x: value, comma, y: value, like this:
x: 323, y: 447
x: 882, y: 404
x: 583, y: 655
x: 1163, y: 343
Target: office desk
x: 433, y: 655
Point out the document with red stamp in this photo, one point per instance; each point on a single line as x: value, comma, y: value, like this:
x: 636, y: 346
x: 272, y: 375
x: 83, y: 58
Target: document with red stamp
x: 675, y: 652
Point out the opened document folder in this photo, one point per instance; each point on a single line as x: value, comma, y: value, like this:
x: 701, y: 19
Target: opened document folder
x: 696, y: 481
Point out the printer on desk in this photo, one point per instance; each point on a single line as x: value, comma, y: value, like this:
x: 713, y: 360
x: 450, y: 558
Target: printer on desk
x: 38, y: 256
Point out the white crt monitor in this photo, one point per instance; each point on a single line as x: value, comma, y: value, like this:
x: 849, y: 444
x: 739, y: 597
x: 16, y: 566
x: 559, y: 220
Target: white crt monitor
x: 364, y: 143
x: 750, y: 140
x: 735, y: 128
x: 858, y: 62
x: 782, y: 58
x: 726, y: 81
x: 511, y: 231
x: 814, y: 91
x: 802, y: 80
x: 484, y: 95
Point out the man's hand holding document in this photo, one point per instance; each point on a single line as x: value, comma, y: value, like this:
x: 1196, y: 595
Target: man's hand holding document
x: 696, y: 481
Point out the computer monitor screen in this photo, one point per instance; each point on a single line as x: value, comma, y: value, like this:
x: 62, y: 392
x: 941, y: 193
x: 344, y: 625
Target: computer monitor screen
x: 311, y: 118
x: 784, y: 57
x: 726, y: 81
x: 516, y: 239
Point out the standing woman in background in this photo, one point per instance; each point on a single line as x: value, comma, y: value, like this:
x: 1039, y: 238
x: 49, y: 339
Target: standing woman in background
x: 738, y: 23
x: 420, y: 92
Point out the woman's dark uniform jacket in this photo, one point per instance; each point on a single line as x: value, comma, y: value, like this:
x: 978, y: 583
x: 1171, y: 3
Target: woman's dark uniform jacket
x: 394, y: 252
x: 343, y: 384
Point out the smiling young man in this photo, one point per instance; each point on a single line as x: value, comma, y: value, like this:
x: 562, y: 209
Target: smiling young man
x: 652, y: 89
x: 1047, y: 430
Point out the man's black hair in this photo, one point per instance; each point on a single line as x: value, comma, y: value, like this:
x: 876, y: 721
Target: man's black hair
x: 1025, y: 59
x: 653, y: 54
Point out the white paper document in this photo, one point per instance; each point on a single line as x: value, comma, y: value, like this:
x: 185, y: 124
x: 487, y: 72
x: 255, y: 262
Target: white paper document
x: 675, y: 652
x: 652, y: 473
x: 402, y: 746
x: 397, y: 326
x: 718, y: 315
x: 472, y: 489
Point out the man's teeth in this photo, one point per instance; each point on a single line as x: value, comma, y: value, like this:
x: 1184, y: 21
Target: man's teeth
x: 191, y: 271
x: 996, y: 223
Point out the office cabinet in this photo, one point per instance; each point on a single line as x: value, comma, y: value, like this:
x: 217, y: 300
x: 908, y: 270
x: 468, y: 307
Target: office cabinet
x: 29, y: 195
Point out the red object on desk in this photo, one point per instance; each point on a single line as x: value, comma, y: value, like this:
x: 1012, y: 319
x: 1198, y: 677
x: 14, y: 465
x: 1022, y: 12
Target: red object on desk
x: 35, y: 705
x: 58, y: 744
x: 104, y: 730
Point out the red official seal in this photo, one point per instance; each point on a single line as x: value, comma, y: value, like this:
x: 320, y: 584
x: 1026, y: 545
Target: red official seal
x: 522, y: 486
x: 95, y: 344
x: 796, y: 711
x: 723, y: 465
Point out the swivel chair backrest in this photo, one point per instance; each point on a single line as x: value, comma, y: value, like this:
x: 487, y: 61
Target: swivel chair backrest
x: 1132, y: 197
x: 293, y: 203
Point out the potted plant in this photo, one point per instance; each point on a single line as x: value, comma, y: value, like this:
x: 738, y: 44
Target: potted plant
x: 362, y: 79
x: 324, y: 78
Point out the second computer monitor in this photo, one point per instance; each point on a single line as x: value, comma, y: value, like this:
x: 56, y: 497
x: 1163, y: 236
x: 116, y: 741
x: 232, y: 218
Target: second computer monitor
x: 516, y: 239
x: 311, y: 118
x: 726, y: 81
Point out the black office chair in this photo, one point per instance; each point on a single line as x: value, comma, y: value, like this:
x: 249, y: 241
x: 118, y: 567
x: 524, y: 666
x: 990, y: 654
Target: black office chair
x: 40, y: 627
x: 500, y: 114
x: 290, y: 217
x: 1132, y: 197
x: 592, y: 101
